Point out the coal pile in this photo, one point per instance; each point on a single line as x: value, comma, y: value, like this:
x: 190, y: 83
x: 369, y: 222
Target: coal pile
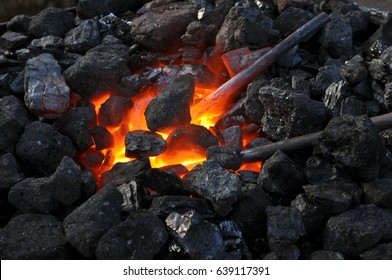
x: 65, y: 193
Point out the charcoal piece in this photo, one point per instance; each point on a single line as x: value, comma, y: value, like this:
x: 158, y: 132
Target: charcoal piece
x: 33, y: 237
x: 320, y: 170
x: 379, y: 192
x: 379, y: 71
x: 326, y: 255
x: 334, y: 96
x: 299, y: 83
x: 354, y: 143
x: 357, y: 230
x: 46, y: 93
x: 19, y: 23
x: 17, y: 86
x: 227, y: 157
x: 46, y: 195
x: 108, y: 61
x: 380, y: 252
x: 139, y: 237
x: 199, y: 239
x: 258, y: 142
x: 161, y: 28
x: 126, y: 172
x: 139, y: 143
x: 91, y: 8
x: 51, y: 21
x: 133, y: 195
x: 336, y: 37
x: 84, y: 37
x: 200, y: 35
x: 41, y: 149
x: 89, y: 185
x: 118, y: 27
x: 327, y: 75
x: 281, y: 175
x: 162, y: 206
x: 166, y: 183
x: 354, y: 70
x: 290, y: 20
x: 312, y: 217
x: 85, y: 226
x: 13, y: 118
x: 289, y: 114
x: 13, y: 40
x: 254, y: 110
x: 171, y: 107
x: 103, y: 139
x: 232, y: 136
x: 130, y: 86
x: 114, y: 110
x: 10, y: 172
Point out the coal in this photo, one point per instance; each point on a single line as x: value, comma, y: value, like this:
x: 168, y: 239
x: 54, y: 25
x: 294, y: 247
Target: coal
x: 166, y: 183
x: 13, y: 119
x: 388, y: 96
x: 51, y: 21
x: 103, y: 139
x: 19, y: 23
x: 326, y: 75
x: 13, y: 40
x: 33, y: 237
x: 284, y: 252
x: 199, y: 239
x: 335, y: 95
x: 354, y: 70
x: 254, y: 110
x: 200, y: 35
x: 289, y: 114
x: 107, y: 61
x: 46, y: 93
x: 47, y: 44
x: 114, y: 110
x: 311, y: 216
x: 232, y: 136
x: 221, y: 187
x: 258, y: 142
x: 281, y: 175
x: 140, y: 143
x: 85, y: 226
x: 133, y: 195
x: 326, y: 255
x: 171, y: 107
x: 357, y: 230
x: 45, y: 195
x: 380, y: 252
x: 227, y: 157
x: 89, y: 184
x: 130, y: 86
x: 17, y: 86
x: 379, y: 192
x: 379, y: 71
x: 91, y: 8
x: 386, y: 136
x: 321, y: 170
x: 41, y: 149
x: 10, y: 172
x: 354, y: 143
x: 83, y: 37
x: 290, y: 20
x: 5, y: 84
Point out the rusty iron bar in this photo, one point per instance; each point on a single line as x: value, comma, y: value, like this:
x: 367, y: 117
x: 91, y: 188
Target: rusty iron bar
x: 259, y: 66
x: 294, y: 144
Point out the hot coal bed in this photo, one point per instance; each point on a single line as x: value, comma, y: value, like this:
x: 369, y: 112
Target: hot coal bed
x: 104, y: 156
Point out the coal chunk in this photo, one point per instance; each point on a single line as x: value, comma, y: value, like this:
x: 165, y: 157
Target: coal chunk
x: 51, y: 21
x: 130, y: 86
x: 289, y: 114
x: 335, y: 95
x: 33, y: 237
x: 227, y: 157
x: 200, y: 35
x: 357, y: 230
x: 46, y: 93
x: 253, y: 107
x: 19, y: 23
x: 45, y: 195
x: 13, y: 40
x: 216, y: 184
x: 321, y: 170
x: 312, y: 217
x: 379, y: 192
x: 354, y: 143
x: 327, y: 75
x: 326, y: 255
x: 85, y: 226
x: 380, y: 252
x: 114, y: 110
x: 139, y: 143
x: 41, y: 149
x: 379, y: 71
x: 89, y: 184
x: 103, y: 139
x: 232, y: 136
x: 13, y: 119
x: 10, y: 172
x: 91, y: 8
x: 290, y: 20
x: 139, y: 237
x: 166, y: 183
x: 83, y: 37
x: 354, y: 70
x: 171, y: 107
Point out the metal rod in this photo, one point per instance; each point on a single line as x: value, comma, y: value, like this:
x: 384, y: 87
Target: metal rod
x: 301, y: 142
x: 259, y: 66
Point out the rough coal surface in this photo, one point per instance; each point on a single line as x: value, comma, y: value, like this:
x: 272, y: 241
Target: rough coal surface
x: 41, y: 149
x: 290, y: 20
x: 221, y: 187
x: 103, y: 139
x: 89, y: 184
x: 312, y: 217
x: 354, y: 143
x: 379, y: 192
x: 139, y: 237
x: 166, y: 183
x: 85, y: 226
x: 33, y: 237
x: 19, y: 23
x: 321, y: 170
x: 357, y: 230
x: 326, y: 255
x: 335, y: 95
x: 13, y: 40
x: 354, y: 70
x: 140, y: 143
x: 254, y: 110
x: 227, y: 157
x: 326, y: 75
x: 91, y: 8
x: 289, y: 114
x: 114, y: 110
x: 380, y: 252
x: 44, y: 195
x: 83, y: 37
x: 10, y: 172
x: 232, y: 136
x: 171, y: 107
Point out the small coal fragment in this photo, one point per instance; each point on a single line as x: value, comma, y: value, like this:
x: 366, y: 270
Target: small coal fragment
x: 327, y: 75
x: 5, y: 84
x: 45, y: 195
x: 254, y: 110
x: 13, y: 40
x: 166, y: 183
x: 379, y: 192
x: 89, y: 184
x: 321, y: 170
x: 91, y: 8
x: 51, y: 21
x: 290, y: 20
x: 311, y: 216
x: 103, y: 139
x: 335, y: 94
x: 41, y: 149
x: 379, y: 71
x: 114, y: 110
x: 17, y: 86
x: 33, y: 237
x: 85, y: 226
x: 46, y: 93
x: 130, y: 86
x: 139, y: 237
x: 232, y: 136
x: 48, y: 44
x: 13, y: 119
x: 354, y: 70
x: 171, y: 107
x: 287, y: 251
x: 200, y: 35
x: 133, y: 196
x: 380, y: 252
x: 388, y: 96
x: 357, y: 230
x: 280, y: 175
x: 199, y: 239
x: 258, y: 142
x: 289, y: 114
x: 353, y: 106
x: 216, y: 184
x: 84, y: 37
x: 139, y: 143
x: 227, y: 157
x: 10, y: 172
x: 354, y: 143
x: 19, y: 23
x: 326, y: 255
x: 386, y: 137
